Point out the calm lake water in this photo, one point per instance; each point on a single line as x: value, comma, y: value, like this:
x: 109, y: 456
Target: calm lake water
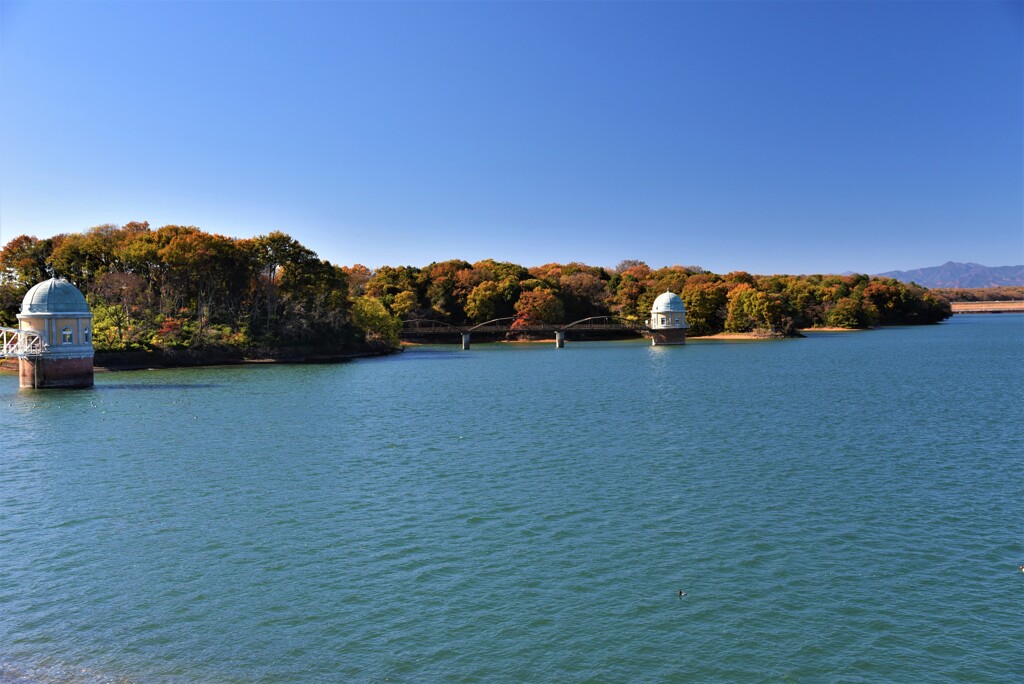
x: 845, y: 507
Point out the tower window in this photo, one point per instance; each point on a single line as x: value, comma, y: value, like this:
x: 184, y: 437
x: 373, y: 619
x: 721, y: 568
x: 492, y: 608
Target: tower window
x: 86, y: 335
x: 65, y: 336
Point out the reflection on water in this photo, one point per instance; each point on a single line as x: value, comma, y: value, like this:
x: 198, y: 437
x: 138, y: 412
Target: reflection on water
x: 104, y: 387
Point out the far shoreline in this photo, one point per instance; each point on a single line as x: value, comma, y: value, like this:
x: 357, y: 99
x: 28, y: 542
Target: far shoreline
x: 722, y: 336
x: 114, y: 362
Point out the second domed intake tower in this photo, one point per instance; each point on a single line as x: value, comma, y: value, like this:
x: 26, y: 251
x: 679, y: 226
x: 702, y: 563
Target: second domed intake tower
x: 668, y: 320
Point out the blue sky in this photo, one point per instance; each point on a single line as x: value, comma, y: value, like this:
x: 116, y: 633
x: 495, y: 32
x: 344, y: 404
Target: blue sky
x: 773, y: 137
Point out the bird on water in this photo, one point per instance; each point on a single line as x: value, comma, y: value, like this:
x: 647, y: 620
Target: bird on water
x: 683, y: 593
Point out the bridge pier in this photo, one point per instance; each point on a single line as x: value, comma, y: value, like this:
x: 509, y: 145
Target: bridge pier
x: 440, y: 331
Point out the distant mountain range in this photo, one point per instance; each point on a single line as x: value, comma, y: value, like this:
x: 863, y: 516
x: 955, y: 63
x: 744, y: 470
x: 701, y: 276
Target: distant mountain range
x: 953, y: 274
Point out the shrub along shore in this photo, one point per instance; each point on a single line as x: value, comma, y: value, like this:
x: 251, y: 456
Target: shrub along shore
x: 186, y: 297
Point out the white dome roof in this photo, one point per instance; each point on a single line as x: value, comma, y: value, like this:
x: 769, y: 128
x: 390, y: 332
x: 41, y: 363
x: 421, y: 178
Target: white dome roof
x: 55, y: 295
x: 668, y: 302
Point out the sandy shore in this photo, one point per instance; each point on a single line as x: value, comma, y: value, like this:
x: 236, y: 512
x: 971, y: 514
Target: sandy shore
x: 733, y: 336
x: 826, y: 329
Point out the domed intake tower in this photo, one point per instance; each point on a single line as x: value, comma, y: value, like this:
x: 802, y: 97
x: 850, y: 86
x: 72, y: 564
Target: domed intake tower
x: 668, y: 320
x: 57, y: 312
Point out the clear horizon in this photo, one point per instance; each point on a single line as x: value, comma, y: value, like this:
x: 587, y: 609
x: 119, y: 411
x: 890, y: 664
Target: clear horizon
x: 765, y: 137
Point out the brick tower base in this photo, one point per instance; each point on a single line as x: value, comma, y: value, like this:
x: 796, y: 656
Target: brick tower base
x: 40, y: 372
x: 668, y: 336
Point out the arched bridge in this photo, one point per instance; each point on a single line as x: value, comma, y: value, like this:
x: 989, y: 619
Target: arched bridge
x: 423, y: 328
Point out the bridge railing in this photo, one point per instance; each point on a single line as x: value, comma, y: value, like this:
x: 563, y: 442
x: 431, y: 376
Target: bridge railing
x: 492, y: 325
x: 426, y: 325
x: 17, y: 343
x: 514, y: 324
x: 604, y: 323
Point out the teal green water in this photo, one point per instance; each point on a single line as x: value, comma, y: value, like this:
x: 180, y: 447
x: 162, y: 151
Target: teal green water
x: 845, y: 507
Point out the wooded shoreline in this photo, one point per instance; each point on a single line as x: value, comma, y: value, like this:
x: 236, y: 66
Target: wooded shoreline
x: 189, y: 297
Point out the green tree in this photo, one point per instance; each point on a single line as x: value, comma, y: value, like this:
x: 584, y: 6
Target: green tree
x: 491, y: 299
x: 387, y: 281
x: 706, y: 307
x: 482, y: 304
x: 632, y: 284
x: 120, y: 300
x: 10, y: 303
x: 845, y: 314
x: 405, y: 303
x: 750, y: 309
x: 374, y: 320
x: 740, y: 316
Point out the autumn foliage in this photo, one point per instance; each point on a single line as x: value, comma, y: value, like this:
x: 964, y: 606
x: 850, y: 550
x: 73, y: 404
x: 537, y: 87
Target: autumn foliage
x: 459, y: 293
x: 179, y: 286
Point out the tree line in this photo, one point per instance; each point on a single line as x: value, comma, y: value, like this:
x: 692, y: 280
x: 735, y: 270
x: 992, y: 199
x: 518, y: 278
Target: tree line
x: 459, y: 292
x: 999, y: 293
x: 182, y: 287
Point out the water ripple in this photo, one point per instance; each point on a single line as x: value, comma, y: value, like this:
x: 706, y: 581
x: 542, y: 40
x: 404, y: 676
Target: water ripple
x: 842, y: 509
